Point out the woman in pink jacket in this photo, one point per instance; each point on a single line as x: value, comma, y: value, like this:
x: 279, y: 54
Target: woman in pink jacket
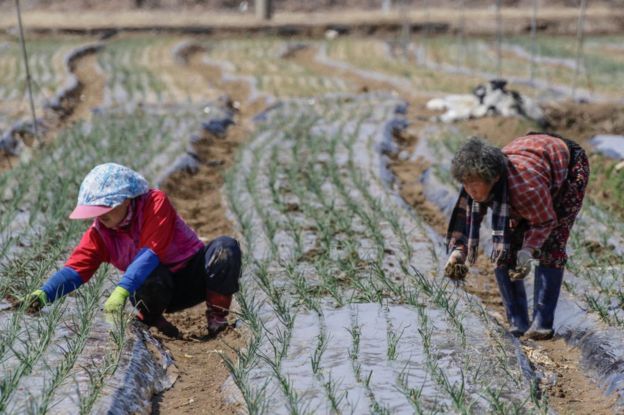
x: 166, y: 267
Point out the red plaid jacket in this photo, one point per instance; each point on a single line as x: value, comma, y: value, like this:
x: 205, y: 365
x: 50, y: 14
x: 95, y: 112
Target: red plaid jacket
x: 537, y: 168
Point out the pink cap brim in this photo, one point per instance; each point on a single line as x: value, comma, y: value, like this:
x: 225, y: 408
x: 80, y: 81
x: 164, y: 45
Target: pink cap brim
x: 86, y: 211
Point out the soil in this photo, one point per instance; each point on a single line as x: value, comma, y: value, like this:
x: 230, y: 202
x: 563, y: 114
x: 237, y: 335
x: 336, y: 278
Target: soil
x: 201, y: 370
x: 90, y: 93
x: 408, y: 176
x: 582, y: 121
x: 568, y: 389
x: 197, y: 197
x: 572, y: 392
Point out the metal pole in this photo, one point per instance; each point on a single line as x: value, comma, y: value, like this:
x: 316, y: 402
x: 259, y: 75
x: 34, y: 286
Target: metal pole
x: 426, y: 31
x: 461, y: 43
x: 533, y: 40
x: 263, y: 9
x: 580, y: 33
x: 406, y: 31
x: 499, y: 40
x: 28, y: 78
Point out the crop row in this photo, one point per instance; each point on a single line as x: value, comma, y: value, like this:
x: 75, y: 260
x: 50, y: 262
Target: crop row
x: 262, y: 59
x: 342, y: 290
x: 443, y: 64
x: 42, y: 357
x: 143, y: 70
x: 48, y: 70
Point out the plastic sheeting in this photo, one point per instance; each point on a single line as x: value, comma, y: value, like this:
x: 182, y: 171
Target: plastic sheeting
x: 432, y: 347
x: 608, y: 144
x: 145, y: 368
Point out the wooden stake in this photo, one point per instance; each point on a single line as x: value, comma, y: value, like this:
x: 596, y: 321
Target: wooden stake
x: 461, y: 42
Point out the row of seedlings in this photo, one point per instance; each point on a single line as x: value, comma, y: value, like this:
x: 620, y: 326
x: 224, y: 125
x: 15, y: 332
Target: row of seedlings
x: 266, y: 61
x: 376, y: 180
x: 341, y: 294
x: 63, y: 358
x: 47, y: 61
x: 144, y: 70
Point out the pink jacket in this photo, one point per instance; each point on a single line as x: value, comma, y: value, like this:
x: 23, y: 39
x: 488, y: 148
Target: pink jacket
x: 153, y: 223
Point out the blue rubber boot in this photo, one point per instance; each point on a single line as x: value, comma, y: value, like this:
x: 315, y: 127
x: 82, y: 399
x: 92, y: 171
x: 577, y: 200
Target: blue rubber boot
x: 546, y: 294
x: 515, y: 301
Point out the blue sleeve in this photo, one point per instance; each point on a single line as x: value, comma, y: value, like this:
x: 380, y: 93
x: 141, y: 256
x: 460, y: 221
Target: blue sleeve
x: 141, y: 267
x: 62, y: 282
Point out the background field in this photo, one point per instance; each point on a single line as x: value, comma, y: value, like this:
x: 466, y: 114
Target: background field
x: 319, y: 155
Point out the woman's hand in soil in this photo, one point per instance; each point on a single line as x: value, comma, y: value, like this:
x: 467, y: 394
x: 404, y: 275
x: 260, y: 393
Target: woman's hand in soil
x: 455, y: 268
x: 33, y: 302
x: 523, y: 265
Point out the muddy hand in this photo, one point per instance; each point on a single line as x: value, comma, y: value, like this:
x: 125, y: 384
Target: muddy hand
x: 455, y: 268
x: 523, y: 265
x: 456, y: 272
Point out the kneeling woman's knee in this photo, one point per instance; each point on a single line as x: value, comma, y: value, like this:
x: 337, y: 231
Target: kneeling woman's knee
x: 223, y: 249
x: 154, y: 296
x: 223, y: 261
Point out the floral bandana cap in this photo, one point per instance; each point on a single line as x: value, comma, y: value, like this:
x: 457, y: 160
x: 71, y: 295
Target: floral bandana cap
x: 105, y: 187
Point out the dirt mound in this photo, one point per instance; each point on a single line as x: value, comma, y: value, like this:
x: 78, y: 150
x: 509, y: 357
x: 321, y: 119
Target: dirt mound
x: 582, y: 121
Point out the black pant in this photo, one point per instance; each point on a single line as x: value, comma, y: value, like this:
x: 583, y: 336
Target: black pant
x: 216, y: 267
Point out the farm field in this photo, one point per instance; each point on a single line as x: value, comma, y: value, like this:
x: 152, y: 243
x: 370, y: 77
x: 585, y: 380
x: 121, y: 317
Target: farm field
x: 321, y: 158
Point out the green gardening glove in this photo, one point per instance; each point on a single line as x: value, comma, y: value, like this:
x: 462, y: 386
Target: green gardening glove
x: 34, y: 301
x: 116, y: 300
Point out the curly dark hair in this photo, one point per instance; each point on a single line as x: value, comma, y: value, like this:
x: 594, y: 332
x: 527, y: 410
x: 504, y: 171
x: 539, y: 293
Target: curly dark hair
x: 476, y: 159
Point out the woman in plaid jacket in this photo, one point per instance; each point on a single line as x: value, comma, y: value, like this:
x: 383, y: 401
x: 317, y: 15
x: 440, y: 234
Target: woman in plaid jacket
x: 535, y: 187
